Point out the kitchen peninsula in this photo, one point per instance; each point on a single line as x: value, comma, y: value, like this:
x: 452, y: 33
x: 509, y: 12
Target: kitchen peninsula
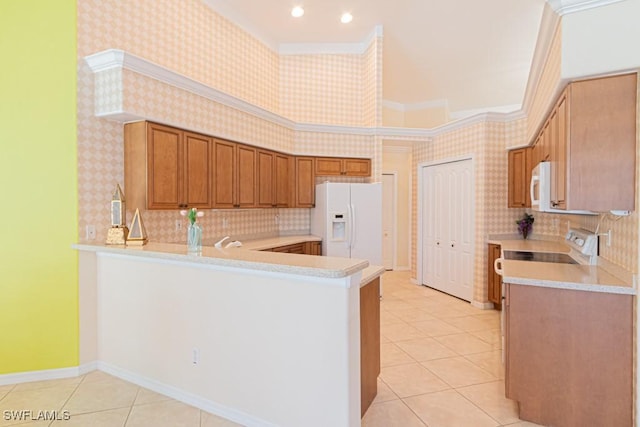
x: 261, y: 338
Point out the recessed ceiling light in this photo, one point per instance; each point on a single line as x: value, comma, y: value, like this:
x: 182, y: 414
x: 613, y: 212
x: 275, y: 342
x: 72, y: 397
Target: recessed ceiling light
x: 346, y: 18
x: 297, y: 12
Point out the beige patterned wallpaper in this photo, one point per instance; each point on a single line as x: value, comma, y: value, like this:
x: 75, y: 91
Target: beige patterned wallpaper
x: 215, y: 52
x: 322, y: 89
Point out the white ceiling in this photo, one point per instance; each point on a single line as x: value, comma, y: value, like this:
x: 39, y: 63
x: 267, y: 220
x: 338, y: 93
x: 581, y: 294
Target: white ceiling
x: 467, y: 54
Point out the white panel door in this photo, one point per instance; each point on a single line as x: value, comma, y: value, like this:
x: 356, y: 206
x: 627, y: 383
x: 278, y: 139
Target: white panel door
x: 448, y: 228
x: 388, y: 220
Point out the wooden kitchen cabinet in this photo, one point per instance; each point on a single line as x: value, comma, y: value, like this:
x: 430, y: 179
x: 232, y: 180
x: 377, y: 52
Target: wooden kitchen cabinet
x: 519, y: 178
x: 313, y: 248
x: 569, y: 356
x: 369, y: 343
x: 494, y: 280
x: 234, y: 175
x: 246, y: 177
x: 166, y: 168
x: 332, y: 166
x: 273, y: 179
x: 303, y: 180
x: 303, y: 248
x: 590, y: 136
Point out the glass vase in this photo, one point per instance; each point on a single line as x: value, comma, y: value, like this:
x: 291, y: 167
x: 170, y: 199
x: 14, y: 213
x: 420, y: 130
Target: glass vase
x: 194, y: 238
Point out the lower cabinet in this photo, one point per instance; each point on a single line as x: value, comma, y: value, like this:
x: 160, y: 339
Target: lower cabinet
x: 569, y: 356
x: 369, y: 343
x: 304, y: 248
x: 494, y: 280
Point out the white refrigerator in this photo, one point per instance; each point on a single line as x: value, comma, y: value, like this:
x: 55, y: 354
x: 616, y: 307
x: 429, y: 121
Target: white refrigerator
x: 348, y: 217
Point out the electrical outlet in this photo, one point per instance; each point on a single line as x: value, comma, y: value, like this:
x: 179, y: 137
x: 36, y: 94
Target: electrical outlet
x: 609, y: 238
x: 91, y: 232
x: 178, y: 225
x: 195, y: 355
x: 225, y: 223
x: 277, y: 219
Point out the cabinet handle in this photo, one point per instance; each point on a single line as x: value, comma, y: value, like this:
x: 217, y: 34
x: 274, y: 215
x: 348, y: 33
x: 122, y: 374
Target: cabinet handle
x: 452, y: 245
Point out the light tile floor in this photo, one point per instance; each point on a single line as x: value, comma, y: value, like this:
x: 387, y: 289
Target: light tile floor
x: 441, y: 362
x: 440, y: 368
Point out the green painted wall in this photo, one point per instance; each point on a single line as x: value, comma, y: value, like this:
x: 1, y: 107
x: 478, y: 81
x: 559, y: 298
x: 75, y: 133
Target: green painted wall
x: 38, y: 174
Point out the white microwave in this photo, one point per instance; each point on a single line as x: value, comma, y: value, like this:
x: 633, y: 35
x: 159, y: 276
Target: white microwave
x: 541, y: 191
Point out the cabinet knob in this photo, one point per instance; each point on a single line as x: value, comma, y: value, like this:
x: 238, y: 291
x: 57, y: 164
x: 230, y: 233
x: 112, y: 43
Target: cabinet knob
x: 452, y: 245
x: 438, y: 243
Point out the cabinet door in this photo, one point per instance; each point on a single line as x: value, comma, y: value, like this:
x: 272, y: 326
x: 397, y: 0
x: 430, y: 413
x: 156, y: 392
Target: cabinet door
x: 559, y: 180
x: 224, y: 182
x: 327, y: 166
x: 305, y: 183
x: 357, y: 167
x: 246, y: 177
x: 282, y: 182
x: 265, y: 176
x: 164, y: 167
x: 494, y: 281
x: 197, y: 153
x: 519, y: 177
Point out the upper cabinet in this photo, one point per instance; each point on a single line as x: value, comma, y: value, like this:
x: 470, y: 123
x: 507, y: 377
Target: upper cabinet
x: 589, y: 137
x: 519, y: 177
x: 331, y: 166
x: 169, y: 168
x: 304, y: 183
x: 166, y: 168
x: 593, y: 161
x: 273, y: 179
x: 234, y: 175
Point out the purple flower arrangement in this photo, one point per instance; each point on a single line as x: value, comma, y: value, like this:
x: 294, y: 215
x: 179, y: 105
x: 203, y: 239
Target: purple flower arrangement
x: 525, y: 224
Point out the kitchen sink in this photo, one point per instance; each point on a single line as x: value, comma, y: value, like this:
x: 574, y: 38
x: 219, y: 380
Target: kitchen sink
x: 560, y: 258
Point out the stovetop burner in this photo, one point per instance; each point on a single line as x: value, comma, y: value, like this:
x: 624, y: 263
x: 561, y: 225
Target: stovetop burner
x: 560, y: 258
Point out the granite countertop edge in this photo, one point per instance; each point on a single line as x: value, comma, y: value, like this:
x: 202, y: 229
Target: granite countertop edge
x: 249, y: 256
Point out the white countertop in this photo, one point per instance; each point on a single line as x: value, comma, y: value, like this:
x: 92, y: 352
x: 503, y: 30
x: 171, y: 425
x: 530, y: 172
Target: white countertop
x: 244, y: 257
x: 592, y: 278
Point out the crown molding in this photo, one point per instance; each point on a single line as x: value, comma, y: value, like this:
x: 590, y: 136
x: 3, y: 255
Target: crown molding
x: 331, y: 48
x: 548, y: 27
x: 114, y: 58
x: 322, y: 48
x: 503, y: 109
x: 118, y: 59
x: 564, y: 7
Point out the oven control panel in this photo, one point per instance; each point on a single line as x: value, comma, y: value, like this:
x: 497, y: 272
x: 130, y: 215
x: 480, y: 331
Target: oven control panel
x: 583, y: 241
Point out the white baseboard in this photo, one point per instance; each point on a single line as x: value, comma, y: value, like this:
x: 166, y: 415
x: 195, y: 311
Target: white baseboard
x: 87, y: 367
x: 43, y: 375
x: 482, y: 305
x: 185, y: 397
x: 402, y: 268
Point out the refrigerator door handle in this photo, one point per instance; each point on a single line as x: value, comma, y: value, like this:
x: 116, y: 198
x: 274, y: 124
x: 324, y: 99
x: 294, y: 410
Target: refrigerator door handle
x: 353, y: 225
x: 349, y: 225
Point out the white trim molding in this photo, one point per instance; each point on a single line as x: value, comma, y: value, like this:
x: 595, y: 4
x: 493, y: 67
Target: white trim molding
x: 43, y: 375
x: 564, y: 7
x: 119, y: 59
x: 183, y: 396
x: 330, y: 48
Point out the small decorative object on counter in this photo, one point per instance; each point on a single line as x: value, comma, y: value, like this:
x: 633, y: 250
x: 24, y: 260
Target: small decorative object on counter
x: 137, y: 233
x: 194, y: 232
x: 117, y: 234
x: 525, y: 224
